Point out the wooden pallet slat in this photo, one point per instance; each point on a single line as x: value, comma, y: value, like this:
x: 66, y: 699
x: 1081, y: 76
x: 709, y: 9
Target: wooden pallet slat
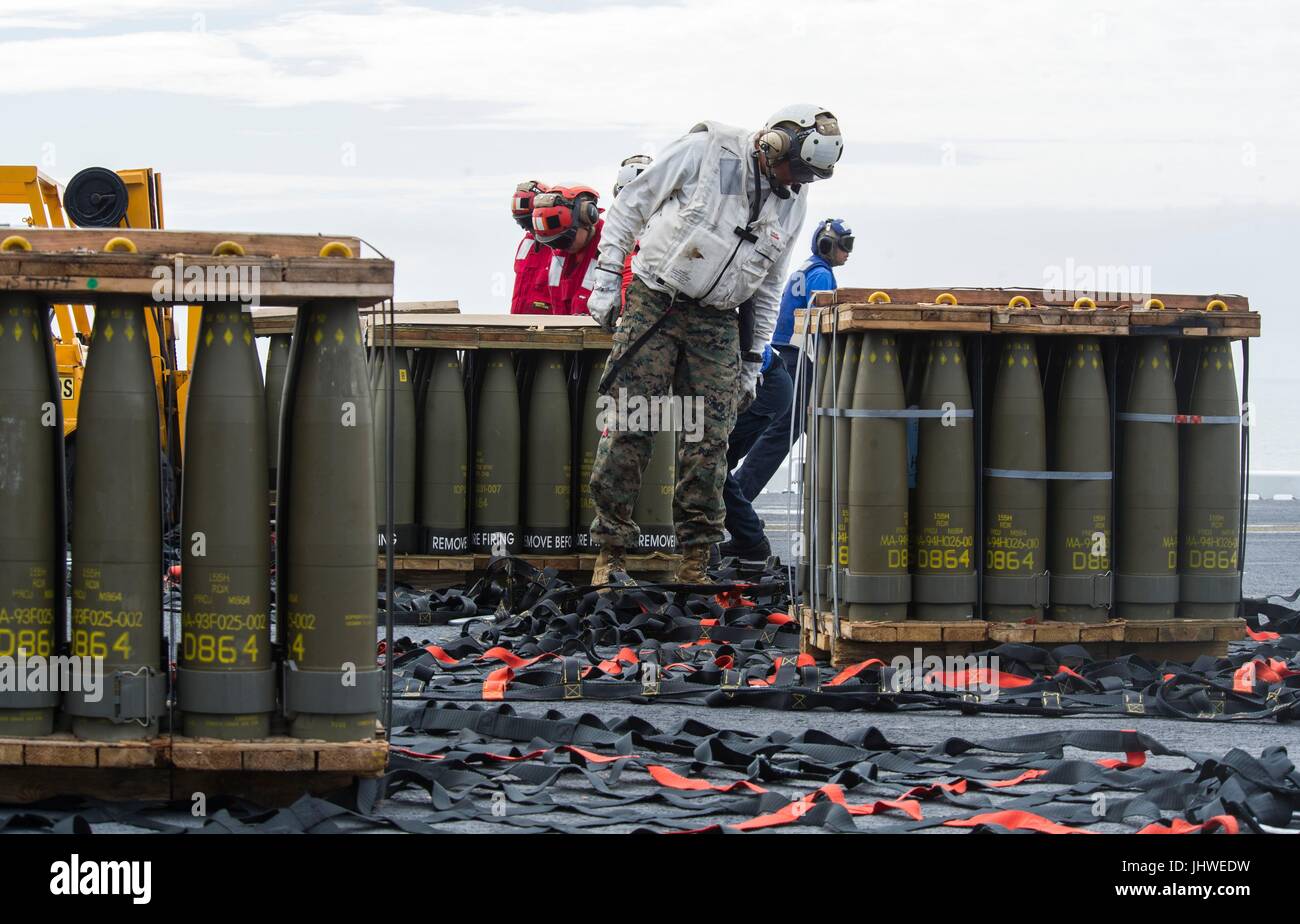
x: 274, y: 771
x: 158, y: 243
x: 569, y: 333
x: 1176, y: 639
x: 279, y: 281
x: 459, y: 567
x: 987, y: 310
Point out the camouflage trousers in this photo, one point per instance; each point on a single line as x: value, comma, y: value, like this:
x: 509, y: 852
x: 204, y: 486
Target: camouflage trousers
x: 695, y: 354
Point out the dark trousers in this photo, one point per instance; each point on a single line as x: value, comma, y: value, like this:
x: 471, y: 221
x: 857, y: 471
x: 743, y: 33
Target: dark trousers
x: 771, y: 446
x: 773, y: 400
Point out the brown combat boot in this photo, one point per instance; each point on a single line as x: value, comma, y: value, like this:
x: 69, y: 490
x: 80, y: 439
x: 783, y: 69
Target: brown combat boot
x: 610, y: 559
x: 693, y: 568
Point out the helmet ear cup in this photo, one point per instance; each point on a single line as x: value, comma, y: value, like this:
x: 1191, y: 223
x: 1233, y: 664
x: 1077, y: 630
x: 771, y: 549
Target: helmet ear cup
x: 775, y: 144
x: 822, y: 242
x: 587, y: 212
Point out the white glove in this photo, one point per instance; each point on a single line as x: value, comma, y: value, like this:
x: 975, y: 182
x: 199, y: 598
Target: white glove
x: 605, y: 297
x: 750, y: 373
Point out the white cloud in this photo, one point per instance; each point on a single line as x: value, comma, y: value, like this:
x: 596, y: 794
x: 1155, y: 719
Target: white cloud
x: 62, y: 15
x: 1143, y: 101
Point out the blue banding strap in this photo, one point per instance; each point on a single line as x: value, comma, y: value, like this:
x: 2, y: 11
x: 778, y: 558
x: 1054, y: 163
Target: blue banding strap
x: 1047, y: 476
x: 1177, y: 418
x: 900, y: 413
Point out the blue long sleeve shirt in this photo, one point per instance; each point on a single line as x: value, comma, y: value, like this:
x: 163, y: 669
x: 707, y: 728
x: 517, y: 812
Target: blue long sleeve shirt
x: 815, y: 275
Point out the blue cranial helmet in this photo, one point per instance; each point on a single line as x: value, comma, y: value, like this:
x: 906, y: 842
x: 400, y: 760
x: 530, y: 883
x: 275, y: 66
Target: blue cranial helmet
x: 830, y: 232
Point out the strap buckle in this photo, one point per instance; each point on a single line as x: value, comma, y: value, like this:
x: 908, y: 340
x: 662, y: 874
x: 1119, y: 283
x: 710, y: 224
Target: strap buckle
x: 1052, y: 700
x: 571, y: 678
x: 1134, y: 703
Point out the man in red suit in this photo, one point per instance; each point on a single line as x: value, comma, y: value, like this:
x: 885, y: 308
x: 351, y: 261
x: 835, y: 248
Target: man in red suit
x: 566, y: 219
x: 532, y: 292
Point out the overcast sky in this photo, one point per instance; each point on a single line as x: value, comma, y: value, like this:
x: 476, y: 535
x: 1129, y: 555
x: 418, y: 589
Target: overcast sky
x: 986, y: 144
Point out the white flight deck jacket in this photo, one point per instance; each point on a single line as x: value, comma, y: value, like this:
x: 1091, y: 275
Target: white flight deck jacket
x: 685, y: 210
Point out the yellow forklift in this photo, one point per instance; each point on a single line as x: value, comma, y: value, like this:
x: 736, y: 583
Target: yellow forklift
x: 101, y: 198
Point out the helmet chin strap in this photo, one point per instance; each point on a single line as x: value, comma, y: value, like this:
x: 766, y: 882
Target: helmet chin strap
x: 780, y: 190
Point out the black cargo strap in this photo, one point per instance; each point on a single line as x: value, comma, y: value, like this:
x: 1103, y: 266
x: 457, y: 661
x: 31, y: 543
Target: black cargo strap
x: 737, y: 645
x: 127, y: 696
x: 478, y: 765
x: 431, y: 608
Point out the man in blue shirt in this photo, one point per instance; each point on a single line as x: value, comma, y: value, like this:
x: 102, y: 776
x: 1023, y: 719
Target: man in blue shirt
x: 762, y: 435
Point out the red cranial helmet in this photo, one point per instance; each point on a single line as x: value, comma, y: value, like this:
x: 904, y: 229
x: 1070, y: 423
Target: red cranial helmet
x: 521, y: 202
x: 559, y: 212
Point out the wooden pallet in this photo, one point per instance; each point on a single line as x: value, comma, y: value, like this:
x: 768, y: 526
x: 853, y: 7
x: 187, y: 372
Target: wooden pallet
x: 1173, y: 639
x: 60, y: 267
x: 161, y: 243
x: 446, y: 570
x: 920, y: 317
x: 491, y: 331
x: 989, y: 311
x: 271, y: 771
x: 271, y: 321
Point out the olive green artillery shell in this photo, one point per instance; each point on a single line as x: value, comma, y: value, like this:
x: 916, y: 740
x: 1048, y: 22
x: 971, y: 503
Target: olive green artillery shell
x: 403, y: 442
x: 1209, y: 574
x: 589, y: 441
x: 808, y: 536
x: 376, y: 359
x: 225, y: 532
x: 326, y: 580
x: 496, y: 456
x: 117, y: 531
x: 548, y: 460
x: 277, y: 361
x: 876, y: 583
x: 833, y: 466
x: 1079, y: 546
x: 944, y: 581
x: 1015, y: 566
x: 29, y: 437
x: 1146, y: 543
x: 839, y: 479
x: 653, y: 510
x: 444, y: 488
